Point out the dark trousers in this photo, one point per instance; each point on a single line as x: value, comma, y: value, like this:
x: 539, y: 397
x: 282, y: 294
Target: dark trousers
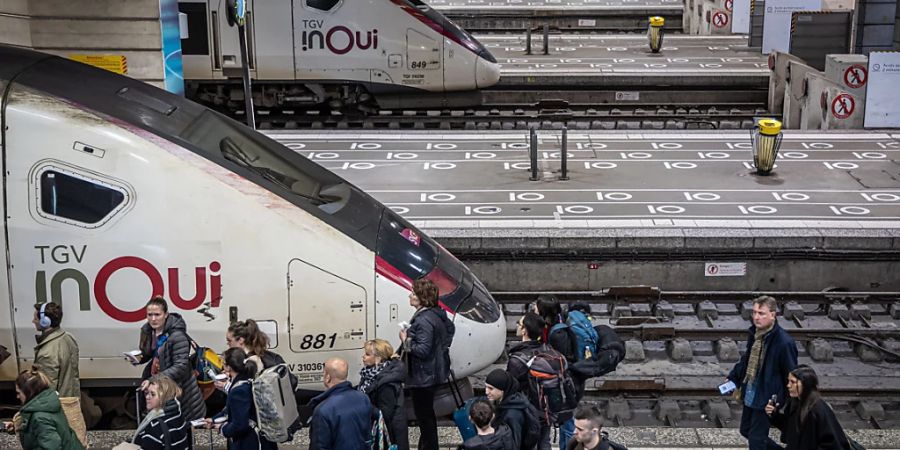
x: 755, y: 427
x: 423, y: 405
x: 544, y: 443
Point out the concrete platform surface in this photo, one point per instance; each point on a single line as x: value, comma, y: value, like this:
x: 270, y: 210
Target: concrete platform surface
x: 634, y: 438
x: 616, y: 60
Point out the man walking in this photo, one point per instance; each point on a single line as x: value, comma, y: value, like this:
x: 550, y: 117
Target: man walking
x: 762, y: 372
x: 56, y: 354
x: 342, y: 418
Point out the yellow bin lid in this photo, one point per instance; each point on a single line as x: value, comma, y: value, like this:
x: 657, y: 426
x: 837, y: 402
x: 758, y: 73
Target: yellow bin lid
x: 657, y: 21
x: 769, y: 126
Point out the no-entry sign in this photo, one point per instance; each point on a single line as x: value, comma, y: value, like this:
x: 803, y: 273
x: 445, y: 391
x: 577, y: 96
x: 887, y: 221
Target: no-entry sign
x: 720, y: 19
x: 855, y: 76
x: 842, y: 106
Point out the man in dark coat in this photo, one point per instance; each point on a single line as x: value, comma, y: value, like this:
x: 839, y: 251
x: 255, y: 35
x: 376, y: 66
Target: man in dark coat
x: 168, y: 348
x: 530, y: 329
x: 762, y: 372
x: 511, y: 405
x: 342, y: 418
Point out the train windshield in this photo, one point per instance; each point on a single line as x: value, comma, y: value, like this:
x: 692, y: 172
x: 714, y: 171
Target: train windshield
x: 445, y: 26
x: 405, y: 255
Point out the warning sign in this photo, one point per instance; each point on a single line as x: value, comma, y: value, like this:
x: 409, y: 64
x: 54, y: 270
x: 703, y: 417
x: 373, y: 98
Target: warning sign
x: 112, y: 63
x: 720, y: 19
x: 725, y: 269
x: 855, y: 76
x: 729, y: 5
x: 842, y: 106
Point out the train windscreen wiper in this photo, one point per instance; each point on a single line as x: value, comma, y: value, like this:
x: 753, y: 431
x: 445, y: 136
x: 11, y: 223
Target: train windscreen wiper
x: 232, y: 152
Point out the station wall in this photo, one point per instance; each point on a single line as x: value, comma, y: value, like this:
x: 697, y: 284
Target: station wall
x: 129, y: 28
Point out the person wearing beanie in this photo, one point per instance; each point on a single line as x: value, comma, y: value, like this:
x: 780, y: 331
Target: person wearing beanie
x: 511, y: 405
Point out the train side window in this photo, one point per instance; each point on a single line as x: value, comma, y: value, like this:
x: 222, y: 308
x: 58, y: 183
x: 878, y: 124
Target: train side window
x: 76, y: 199
x: 322, y: 5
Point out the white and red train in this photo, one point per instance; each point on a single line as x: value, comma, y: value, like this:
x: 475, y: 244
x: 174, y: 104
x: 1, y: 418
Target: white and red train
x: 359, y: 53
x: 115, y: 191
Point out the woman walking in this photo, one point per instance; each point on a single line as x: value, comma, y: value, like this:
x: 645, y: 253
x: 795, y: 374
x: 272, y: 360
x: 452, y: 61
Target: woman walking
x: 807, y: 423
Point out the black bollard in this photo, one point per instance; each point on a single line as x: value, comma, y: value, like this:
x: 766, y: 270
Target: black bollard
x: 532, y: 154
x: 528, y: 40
x: 546, y: 39
x: 564, y: 156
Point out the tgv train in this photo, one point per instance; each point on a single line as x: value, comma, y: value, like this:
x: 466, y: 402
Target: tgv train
x: 115, y: 191
x: 357, y: 53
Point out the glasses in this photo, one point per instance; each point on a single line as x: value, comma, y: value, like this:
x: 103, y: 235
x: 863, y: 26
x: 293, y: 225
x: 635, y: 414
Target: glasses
x: 520, y: 324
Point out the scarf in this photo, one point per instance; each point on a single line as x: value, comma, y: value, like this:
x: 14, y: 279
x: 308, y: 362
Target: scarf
x: 757, y: 354
x: 367, y: 376
x: 153, y: 414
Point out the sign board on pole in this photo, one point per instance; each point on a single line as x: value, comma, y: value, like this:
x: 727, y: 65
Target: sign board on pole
x: 777, y: 22
x: 740, y: 17
x: 882, y: 101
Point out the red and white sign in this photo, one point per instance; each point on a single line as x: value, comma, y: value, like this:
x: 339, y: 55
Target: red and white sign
x: 720, y: 19
x: 855, y: 76
x: 842, y: 106
x: 729, y: 5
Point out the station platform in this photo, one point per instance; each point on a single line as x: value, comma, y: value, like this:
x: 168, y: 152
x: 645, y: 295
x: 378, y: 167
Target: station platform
x: 644, y: 200
x: 634, y: 438
x: 588, y: 15
x: 621, y: 69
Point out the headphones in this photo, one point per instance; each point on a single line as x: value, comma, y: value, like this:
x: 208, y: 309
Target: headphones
x: 43, y: 321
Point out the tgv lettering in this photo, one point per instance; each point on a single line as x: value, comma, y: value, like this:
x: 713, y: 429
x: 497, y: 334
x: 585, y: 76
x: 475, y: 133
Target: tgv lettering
x: 339, y: 40
x: 60, y: 254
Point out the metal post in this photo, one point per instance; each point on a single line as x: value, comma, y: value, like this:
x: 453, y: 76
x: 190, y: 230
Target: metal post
x: 528, y: 40
x: 564, y: 156
x: 245, y: 72
x: 546, y: 39
x: 532, y: 154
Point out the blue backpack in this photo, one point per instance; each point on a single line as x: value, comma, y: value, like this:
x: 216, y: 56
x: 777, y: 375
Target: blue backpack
x: 586, y: 338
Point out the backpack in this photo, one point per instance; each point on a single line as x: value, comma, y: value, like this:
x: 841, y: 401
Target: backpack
x: 276, y: 407
x: 609, y: 353
x: 586, y: 337
x: 550, y: 388
x: 531, y: 430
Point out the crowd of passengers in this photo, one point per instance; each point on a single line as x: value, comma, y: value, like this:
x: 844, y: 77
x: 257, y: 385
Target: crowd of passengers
x: 773, y: 389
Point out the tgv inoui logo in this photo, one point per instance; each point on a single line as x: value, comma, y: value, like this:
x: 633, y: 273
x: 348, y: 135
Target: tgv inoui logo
x: 207, y: 282
x: 339, y: 40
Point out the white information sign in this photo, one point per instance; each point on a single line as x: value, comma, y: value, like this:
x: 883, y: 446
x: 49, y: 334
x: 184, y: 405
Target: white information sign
x: 740, y: 17
x: 882, y: 101
x: 725, y: 269
x: 777, y: 25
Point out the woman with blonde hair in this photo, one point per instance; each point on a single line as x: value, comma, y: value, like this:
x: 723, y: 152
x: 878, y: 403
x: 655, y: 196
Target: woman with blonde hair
x: 382, y: 379
x: 164, y: 426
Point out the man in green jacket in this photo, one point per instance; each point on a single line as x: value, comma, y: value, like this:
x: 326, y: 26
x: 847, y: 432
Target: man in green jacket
x: 56, y: 354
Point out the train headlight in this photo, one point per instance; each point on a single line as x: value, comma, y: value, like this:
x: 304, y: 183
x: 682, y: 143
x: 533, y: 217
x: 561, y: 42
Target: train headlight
x: 766, y: 137
x: 655, y: 33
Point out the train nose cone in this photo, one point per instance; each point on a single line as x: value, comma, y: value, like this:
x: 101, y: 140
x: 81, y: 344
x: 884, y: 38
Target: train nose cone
x: 480, y: 332
x: 487, y: 73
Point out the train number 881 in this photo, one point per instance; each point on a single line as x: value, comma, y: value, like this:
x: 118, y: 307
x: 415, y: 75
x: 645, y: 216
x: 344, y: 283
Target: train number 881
x: 317, y: 341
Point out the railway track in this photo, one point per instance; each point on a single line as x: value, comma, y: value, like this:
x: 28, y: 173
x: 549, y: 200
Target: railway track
x: 522, y: 117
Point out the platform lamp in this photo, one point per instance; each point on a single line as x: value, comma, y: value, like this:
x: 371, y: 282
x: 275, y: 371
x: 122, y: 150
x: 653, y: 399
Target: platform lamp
x: 655, y: 33
x: 766, y: 138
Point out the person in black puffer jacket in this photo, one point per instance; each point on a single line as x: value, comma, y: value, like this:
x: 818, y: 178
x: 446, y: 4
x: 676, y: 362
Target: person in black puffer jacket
x: 427, y: 345
x: 381, y: 379
x: 164, y: 426
x: 511, y: 406
x: 166, y: 347
x: 488, y: 438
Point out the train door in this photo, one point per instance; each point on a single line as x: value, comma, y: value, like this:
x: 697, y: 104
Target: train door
x: 327, y: 313
x: 226, y: 57
x: 423, y: 60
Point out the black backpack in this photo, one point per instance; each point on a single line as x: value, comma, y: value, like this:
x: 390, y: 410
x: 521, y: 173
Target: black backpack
x: 610, y: 352
x: 531, y: 431
x: 606, y: 444
x: 550, y: 387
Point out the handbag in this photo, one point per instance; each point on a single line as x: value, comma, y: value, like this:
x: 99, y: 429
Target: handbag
x: 71, y: 407
x: 127, y: 446
x: 461, y: 414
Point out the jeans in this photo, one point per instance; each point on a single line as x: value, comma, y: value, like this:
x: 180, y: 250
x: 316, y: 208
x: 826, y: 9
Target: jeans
x: 566, y: 430
x: 423, y: 404
x: 755, y: 427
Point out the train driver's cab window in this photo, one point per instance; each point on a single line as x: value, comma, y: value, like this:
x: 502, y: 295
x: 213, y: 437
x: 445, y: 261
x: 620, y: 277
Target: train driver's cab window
x: 322, y: 5
x: 71, y: 198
